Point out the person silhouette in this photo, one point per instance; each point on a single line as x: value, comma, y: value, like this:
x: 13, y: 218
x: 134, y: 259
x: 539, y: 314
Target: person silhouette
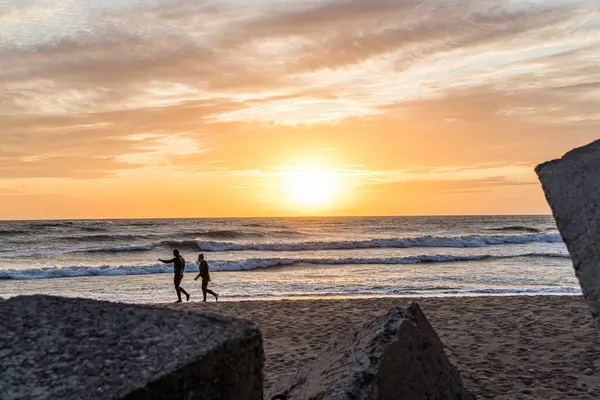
x: 179, y: 266
x: 203, y: 267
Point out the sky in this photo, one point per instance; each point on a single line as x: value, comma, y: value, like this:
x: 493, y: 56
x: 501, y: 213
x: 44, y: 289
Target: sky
x: 244, y: 108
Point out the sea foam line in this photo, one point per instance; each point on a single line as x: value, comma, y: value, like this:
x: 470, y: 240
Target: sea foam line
x: 248, y: 264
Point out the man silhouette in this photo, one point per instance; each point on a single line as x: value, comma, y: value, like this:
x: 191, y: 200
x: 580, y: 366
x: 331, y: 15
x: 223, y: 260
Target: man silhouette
x: 203, y: 266
x: 179, y: 266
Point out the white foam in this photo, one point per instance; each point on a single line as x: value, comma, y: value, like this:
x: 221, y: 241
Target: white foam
x: 246, y: 264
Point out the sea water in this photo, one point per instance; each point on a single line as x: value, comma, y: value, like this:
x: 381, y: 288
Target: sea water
x: 287, y: 257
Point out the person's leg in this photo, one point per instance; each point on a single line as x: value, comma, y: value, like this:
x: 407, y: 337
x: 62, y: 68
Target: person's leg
x: 176, y: 281
x: 187, y: 295
x: 213, y: 293
x: 204, y: 289
x: 179, y: 278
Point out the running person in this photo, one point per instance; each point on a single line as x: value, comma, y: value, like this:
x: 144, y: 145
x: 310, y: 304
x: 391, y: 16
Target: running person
x: 203, y: 267
x: 179, y: 266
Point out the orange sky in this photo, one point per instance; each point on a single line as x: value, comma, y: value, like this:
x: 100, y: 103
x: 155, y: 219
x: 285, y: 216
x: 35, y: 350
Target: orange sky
x: 122, y: 109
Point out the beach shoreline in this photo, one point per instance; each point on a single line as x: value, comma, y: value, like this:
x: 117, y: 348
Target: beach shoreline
x: 288, y: 258
x: 506, y: 347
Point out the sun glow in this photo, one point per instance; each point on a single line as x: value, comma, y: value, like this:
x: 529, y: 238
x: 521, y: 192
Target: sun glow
x: 311, y: 186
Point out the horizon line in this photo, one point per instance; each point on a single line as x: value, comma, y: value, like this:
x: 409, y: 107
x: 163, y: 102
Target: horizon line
x: 280, y: 217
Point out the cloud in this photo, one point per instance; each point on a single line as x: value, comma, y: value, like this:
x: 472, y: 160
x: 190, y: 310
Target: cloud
x: 448, y: 186
x: 115, y: 58
x: 61, y: 167
x: 408, y: 41
x: 416, y: 83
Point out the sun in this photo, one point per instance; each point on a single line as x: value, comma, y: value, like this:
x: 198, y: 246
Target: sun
x: 311, y: 186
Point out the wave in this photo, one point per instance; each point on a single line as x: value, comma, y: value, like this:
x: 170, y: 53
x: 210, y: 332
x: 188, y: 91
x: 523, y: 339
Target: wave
x: 108, y: 237
x: 286, y: 233
x: 516, y: 228
x: 191, y: 245
x: 229, y: 234
x: 149, y: 222
x: 251, y: 264
x: 68, y: 223
x: 270, y: 225
x: 37, y: 230
x: 11, y: 232
x: 115, y: 249
x: 232, y: 234
x: 82, y: 271
x: 88, y: 226
x: 91, y: 228
x: 420, y: 241
x: 49, y: 224
x: 86, y: 222
x: 102, y: 237
x: 221, y: 246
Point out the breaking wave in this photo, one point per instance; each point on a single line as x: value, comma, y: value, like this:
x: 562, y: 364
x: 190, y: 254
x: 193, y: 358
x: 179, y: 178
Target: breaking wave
x: 145, y: 243
x: 420, y: 241
x: 191, y: 245
x: 249, y: 264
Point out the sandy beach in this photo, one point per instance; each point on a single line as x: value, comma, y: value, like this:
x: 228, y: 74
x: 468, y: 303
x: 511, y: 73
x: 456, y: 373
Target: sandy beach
x: 519, y: 347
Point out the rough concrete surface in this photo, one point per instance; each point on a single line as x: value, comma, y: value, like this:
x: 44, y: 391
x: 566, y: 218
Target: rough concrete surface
x: 572, y: 188
x: 60, y: 348
x: 397, y: 356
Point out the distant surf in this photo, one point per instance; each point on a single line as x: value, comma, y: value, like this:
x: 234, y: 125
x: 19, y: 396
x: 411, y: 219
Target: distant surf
x: 406, y: 242
x: 516, y: 228
x: 198, y: 244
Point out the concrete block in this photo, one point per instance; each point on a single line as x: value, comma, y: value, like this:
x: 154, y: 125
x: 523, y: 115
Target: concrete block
x: 572, y: 187
x: 397, y: 356
x: 64, y: 348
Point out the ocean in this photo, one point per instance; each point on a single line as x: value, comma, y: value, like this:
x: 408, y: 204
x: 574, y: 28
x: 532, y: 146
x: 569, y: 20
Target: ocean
x: 275, y: 258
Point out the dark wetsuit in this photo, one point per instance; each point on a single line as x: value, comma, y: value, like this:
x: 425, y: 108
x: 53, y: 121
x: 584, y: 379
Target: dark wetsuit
x: 205, y: 279
x: 179, y: 267
x: 204, y: 271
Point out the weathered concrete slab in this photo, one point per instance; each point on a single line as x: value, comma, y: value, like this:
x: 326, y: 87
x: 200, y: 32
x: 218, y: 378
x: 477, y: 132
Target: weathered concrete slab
x: 59, y: 348
x: 397, y: 356
x: 572, y: 188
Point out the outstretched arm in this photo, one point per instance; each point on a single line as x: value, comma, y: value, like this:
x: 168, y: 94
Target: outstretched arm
x: 167, y: 261
x: 196, y: 278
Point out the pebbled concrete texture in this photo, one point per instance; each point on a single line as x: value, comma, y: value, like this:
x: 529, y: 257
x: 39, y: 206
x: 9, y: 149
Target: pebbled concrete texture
x: 572, y: 188
x: 398, y: 356
x: 63, y: 348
